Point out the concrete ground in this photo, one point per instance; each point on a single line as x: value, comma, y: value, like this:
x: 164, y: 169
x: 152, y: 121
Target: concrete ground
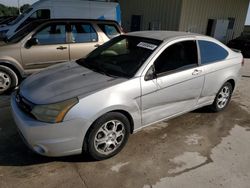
x: 198, y: 149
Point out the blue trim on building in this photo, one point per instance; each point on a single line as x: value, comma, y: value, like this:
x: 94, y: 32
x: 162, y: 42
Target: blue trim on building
x: 101, y: 18
x: 118, y: 14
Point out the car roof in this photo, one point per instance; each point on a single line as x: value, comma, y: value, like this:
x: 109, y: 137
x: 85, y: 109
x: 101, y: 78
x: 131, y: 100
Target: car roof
x: 162, y: 35
x: 74, y: 20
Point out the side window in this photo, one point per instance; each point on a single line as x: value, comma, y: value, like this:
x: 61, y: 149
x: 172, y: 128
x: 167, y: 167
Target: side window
x: 51, y: 34
x: 211, y: 52
x: 110, y: 30
x: 179, y: 56
x: 82, y: 33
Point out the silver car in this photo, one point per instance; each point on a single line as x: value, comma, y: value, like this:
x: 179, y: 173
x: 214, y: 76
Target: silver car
x: 92, y: 105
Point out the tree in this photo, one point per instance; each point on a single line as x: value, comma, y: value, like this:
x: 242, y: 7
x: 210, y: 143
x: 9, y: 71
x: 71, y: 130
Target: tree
x: 24, y: 7
x: 8, y: 11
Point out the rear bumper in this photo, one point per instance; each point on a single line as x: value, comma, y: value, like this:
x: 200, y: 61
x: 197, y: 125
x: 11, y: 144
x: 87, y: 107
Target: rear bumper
x: 60, y: 139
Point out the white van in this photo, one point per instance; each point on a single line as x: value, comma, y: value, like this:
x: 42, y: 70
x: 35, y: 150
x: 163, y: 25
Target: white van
x: 46, y: 9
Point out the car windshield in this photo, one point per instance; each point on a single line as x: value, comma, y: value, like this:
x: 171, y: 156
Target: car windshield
x: 121, y: 56
x: 22, y: 33
x: 21, y: 16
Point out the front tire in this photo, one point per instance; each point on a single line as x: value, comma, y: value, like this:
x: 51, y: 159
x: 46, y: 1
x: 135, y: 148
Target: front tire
x: 108, y: 135
x: 222, y: 98
x: 8, y: 79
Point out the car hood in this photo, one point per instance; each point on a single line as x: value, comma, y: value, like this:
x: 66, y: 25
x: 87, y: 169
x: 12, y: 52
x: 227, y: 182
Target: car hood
x: 65, y: 81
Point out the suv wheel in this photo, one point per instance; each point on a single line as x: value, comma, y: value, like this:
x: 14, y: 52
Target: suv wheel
x: 8, y: 79
x: 108, y: 135
x: 222, y: 98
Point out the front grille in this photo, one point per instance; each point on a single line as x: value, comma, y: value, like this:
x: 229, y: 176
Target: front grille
x: 25, y: 105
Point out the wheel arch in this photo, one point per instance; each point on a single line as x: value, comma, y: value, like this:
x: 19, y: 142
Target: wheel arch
x: 125, y: 113
x: 14, y: 67
x: 232, y: 82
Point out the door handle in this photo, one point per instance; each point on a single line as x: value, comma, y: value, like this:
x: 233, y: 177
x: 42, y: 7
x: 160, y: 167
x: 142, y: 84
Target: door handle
x: 197, y: 72
x: 61, y: 48
x: 97, y: 45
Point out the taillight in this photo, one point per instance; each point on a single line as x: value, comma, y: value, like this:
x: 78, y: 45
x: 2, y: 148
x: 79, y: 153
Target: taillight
x: 243, y: 62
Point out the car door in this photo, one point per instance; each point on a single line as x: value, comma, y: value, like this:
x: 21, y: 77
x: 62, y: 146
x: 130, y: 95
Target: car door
x: 50, y: 47
x: 84, y: 39
x: 216, y: 68
x: 177, y: 83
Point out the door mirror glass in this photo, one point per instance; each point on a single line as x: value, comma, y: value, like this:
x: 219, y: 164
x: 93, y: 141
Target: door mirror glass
x: 31, y: 42
x: 150, y: 75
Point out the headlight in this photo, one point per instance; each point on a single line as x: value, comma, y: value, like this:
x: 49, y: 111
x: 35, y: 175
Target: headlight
x: 53, y: 113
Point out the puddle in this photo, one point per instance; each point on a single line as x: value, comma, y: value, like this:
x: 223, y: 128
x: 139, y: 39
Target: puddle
x: 158, y: 126
x: 118, y: 166
x: 228, y: 168
x: 193, y: 139
x: 164, y: 136
x: 186, y: 161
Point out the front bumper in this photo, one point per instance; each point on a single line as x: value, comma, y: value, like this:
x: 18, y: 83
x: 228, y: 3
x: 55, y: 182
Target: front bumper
x: 59, y: 139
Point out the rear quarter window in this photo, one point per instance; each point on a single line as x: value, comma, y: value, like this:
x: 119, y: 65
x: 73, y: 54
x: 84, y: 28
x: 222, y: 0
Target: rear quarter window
x: 110, y: 30
x: 211, y: 52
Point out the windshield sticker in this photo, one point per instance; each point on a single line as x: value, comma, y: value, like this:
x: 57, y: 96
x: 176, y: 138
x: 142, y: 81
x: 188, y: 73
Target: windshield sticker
x: 147, y: 45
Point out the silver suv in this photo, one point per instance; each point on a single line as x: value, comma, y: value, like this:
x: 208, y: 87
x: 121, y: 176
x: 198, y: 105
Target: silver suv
x: 44, y: 43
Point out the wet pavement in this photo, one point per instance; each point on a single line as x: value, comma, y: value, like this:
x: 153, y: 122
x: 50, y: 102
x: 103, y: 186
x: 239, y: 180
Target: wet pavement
x: 198, y: 149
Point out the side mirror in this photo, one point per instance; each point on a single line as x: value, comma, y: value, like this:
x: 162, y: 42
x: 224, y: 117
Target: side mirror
x: 31, y: 42
x: 150, y: 75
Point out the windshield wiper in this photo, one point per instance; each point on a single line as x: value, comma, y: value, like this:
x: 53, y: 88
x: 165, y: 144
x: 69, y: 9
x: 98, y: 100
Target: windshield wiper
x: 101, y: 70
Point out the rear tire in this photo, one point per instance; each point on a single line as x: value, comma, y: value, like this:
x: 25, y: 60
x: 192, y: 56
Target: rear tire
x: 108, y: 135
x: 222, y: 98
x: 8, y: 79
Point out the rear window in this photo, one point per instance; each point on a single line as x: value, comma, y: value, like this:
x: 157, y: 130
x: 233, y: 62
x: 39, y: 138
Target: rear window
x: 211, y: 52
x: 110, y: 30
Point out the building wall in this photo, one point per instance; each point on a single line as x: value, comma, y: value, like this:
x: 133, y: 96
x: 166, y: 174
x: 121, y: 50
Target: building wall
x: 164, y: 13
x: 247, y: 29
x: 195, y: 14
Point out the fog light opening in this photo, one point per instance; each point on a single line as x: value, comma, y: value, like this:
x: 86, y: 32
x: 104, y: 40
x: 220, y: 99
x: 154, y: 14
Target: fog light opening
x: 39, y: 149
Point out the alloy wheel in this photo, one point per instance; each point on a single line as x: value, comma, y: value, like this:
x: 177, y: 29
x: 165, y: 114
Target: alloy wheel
x: 223, y: 97
x: 5, y: 81
x: 109, y: 137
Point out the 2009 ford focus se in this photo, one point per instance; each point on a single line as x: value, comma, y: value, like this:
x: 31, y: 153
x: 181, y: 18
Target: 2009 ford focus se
x: 133, y: 81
